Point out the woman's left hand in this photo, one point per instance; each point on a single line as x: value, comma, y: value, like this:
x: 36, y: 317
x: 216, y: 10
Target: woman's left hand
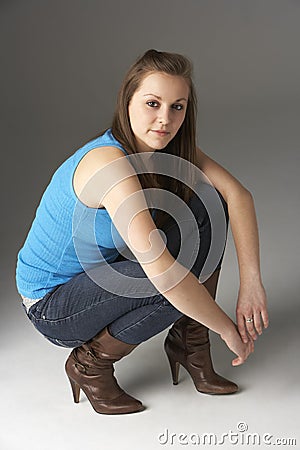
x: 251, y: 310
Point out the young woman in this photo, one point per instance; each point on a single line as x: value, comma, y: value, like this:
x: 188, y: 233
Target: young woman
x: 96, y: 275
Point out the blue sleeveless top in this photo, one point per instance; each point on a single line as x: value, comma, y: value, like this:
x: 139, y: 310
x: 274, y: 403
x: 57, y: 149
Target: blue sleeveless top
x: 66, y: 237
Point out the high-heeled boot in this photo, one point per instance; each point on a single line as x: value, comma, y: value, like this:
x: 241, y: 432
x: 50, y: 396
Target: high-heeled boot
x: 90, y: 368
x: 187, y: 343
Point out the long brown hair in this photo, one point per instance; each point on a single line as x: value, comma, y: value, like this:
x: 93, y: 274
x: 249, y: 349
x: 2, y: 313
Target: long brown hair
x: 184, y: 143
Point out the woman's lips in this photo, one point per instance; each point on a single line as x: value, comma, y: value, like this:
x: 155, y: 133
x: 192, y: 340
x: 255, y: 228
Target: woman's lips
x: 161, y: 133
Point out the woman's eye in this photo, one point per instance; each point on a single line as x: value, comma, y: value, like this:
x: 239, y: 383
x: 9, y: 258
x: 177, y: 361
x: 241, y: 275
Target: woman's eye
x: 178, y: 107
x: 152, y: 104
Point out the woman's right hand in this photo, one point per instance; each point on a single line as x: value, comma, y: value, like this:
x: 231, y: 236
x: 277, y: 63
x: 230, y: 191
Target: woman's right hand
x: 234, y: 342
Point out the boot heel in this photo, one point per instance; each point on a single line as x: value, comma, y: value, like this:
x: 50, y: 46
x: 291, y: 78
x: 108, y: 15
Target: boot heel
x: 75, y: 390
x: 174, y: 365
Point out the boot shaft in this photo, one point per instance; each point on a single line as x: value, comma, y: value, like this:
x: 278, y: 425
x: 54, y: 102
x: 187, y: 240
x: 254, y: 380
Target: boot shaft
x: 105, y: 346
x: 189, y: 334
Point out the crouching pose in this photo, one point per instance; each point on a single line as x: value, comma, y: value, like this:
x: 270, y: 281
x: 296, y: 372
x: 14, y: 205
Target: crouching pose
x: 128, y: 240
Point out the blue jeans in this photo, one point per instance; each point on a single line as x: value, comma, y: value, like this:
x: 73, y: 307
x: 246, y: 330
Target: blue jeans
x: 74, y: 312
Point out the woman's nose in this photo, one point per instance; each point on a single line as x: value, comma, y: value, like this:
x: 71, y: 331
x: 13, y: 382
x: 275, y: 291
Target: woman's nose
x: 164, y: 116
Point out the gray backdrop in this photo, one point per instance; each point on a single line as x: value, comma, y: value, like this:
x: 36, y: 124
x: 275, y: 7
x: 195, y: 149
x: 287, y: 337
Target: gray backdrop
x: 62, y: 62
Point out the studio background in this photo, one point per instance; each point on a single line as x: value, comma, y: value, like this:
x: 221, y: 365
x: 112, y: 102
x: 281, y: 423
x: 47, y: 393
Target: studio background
x: 61, y: 67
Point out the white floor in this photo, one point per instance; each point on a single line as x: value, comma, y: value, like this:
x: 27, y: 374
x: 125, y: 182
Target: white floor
x: 37, y: 411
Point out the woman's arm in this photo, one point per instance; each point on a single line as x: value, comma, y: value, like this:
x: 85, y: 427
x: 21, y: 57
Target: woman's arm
x: 252, y: 297
x: 107, y: 178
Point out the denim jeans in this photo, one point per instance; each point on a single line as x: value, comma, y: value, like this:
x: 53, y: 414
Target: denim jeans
x: 74, y: 312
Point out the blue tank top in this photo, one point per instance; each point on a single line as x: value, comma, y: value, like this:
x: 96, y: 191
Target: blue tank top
x: 66, y: 237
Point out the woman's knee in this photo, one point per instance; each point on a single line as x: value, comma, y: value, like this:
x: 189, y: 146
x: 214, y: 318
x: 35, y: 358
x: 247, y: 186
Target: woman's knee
x: 208, y: 204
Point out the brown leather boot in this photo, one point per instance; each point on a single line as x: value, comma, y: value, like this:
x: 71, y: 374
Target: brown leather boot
x: 90, y: 368
x: 187, y: 343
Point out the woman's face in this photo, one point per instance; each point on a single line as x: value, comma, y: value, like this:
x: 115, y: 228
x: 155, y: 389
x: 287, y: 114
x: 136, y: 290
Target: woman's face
x: 157, y: 110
